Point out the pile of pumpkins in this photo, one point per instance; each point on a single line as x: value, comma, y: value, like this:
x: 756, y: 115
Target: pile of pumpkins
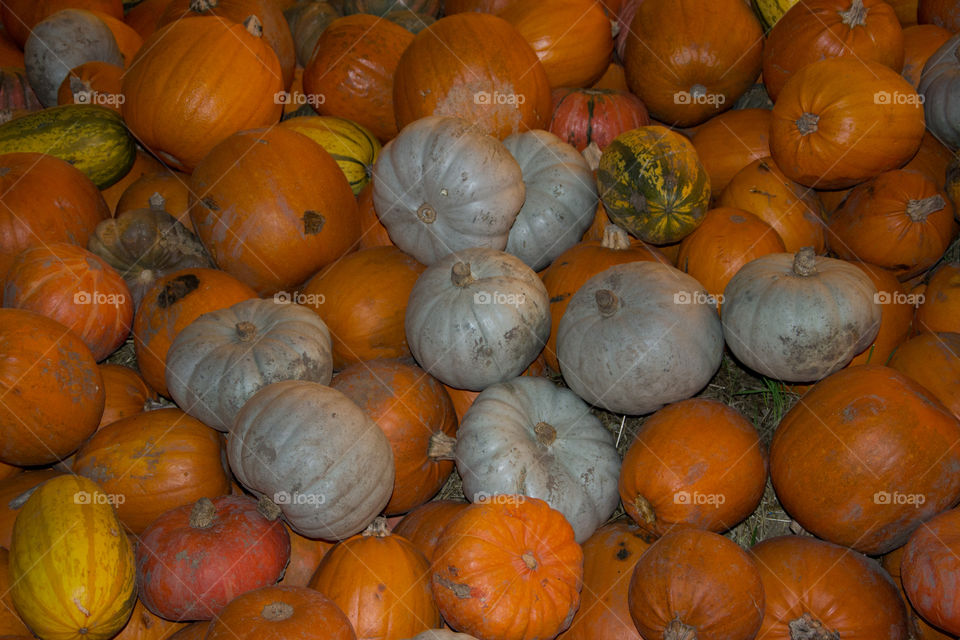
x: 360, y: 243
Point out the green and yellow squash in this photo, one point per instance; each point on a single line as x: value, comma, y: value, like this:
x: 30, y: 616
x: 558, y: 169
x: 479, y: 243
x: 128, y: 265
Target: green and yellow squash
x: 653, y: 185
x: 352, y: 145
x: 770, y: 11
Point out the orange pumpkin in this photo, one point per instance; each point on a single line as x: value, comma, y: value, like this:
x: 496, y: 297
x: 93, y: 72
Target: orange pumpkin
x: 14, y: 492
x: 305, y: 557
x: 906, y: 11
x: 272, y: 207
x: 931, y: 159
x: 896, y: 315
x: 933, y: 360
x: 172, y: 186
x: 451, y: 7
x: 940, y: 308
x: 125, y: 391
x: 10, y: 622
x: 128, y: 40
x: 362, y: 298
x: 919, y: 43
x: 475, y: 66
x: 171, y: 304
x: 20, y: 16
x: 372, y: 231
x: 614, y: 78
x: 424, y: 525
x: 144, y: 625
x: 731, y: 141
x: 145, y: 16
x: 10, y: 53
x: 920, y: 629
x: 93, y: 82
x: 463, y: 399
x: 194, y: 630
x: 143, y: 164
x: 352, y: 68
x: 943, y: 13
x: 280, y: 612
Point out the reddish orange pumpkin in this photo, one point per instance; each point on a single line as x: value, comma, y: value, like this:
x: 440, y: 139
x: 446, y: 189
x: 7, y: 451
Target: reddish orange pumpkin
x: 933, y: 361
x: 172, y: 186
x: 896, y: 315
x: 582, y: 116
x: 14, y: 492
x: 10, y: 622
x: 413, y: 409
x: 20, y: 16
x: 280, y: 612
x: 920, y: 630
x: 424, y: 525
x: 919, y: 43
x: 731, y: 141
x: 305, y: 557
x: 126, y: 393
x: 943, y: 13
x: 928, y: 565
x: 143, y: 164
x: 94, y: 82
x: 372, y: 231
x: 940, y: 309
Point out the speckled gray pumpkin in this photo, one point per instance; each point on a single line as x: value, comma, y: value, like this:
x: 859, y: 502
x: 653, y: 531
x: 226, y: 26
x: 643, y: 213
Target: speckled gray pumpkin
x: 477, y: 317
x: 638, y: 336
x: 531, y: 437
x: 940, y: 87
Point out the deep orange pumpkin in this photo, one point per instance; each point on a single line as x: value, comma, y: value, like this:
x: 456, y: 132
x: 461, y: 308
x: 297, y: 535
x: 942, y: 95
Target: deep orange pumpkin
x: 194, y: 630
x: 940, y: 308
x: 20, y: 16
x: 143, y: 164
x: 943, y: 13
x: 10, y: 622
x: 933, y: 360
x: 281, y: 612
x: 101, y: 80
x: 173, y: 187
x: 424, y: 525
x: 372, y: 231
x: 305, y: 557
x: 144, y: 625
x: 731, y: 141
x: 614, y: 78
x: 919, y: 43
x: 896, y: 315
x: 126, y: 393
x: 14, y: 491
x: 144, y: 17
x: 931, y: 159
x: 582, y: 116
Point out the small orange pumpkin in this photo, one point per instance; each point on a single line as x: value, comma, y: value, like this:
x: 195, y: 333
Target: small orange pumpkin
x: 372, y: 231
x: 126, y: 393
x: 173, y: 187
x: 424, y: 525
x: 933, y: 360
x: 731, y: 141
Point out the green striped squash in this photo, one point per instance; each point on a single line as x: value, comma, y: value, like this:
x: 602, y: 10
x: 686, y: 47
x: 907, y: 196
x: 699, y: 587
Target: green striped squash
x: 92, y: 138
x: 353, y: 146
x: 770, y: 11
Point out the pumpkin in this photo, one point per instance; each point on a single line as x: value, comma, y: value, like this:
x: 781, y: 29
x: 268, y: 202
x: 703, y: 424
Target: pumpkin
x: 451, y: 7
x: 169, y: 185
x: 52, y: 389
x: 865, y: 30
x: 731, y: 141
x: 896, y: 315
x: 123, y: 458
x: 381, y: 582
x: 933, y: 361
x: 906, y: 11
x: 144, y: 17
x: 143, y: 163
x: 310, y: 20
x: 14, y: 491
x: 756, y: 97
x: 477, y: 67
x: 933, y: 160
x: 127, y: 38
x: 144, y: 625
x: 351, y: 71
x: 919, y: 43
x: 725, y: 241
x: 572, y: 38
x: 412, y: 22
x: 918, y: 627
x: 372, y: 231
x: 582, y: 116
x: 953, y: 183
x: 92, y: 83
x: 305, y: 556
x: 929, y: 559
x: 942, y: 13
x: 560, y: 201
x: 225, y: 356
x: 938, y: 86
x: 477, y: 317
x: 194, y: 559
x: 442, y: 634
x: 900, y: 220
x: 316, y: 454
x: 21, y: 16
x: 791, y: 209
x: 529, y: 437
x: 194, y: 630
x: 240, y: 76
x: 382, y: 7
x: 424, y: 524
x: 16, y: 95
x: 613, y: 78
x: 67, y: 542
x: 10, y: 54
x: 505, y: 560
x: 281, y: 611
x: 638, y: 336
x: 824, y: 131
x: 125, y: 393
x: 770, y: 11
x: 272, y: 207
x: 353, y: 146
x: 937, y: 310
x: 689, y: 61
x: 10, y: 622
x: 414, y: 411
x: 173, y: 302
x: 807, y: 583
x: 696, y: 463
x: 664, y: 202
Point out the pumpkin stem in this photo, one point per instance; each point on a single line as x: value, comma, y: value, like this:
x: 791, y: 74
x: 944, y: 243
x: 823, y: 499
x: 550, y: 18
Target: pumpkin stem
x: 253, y: 26
x: 268, y: 508
x: 856, y: 15
x: 460, y: 274
x: 377, y: 529
x: 607, y: 302
x: 678, y: 630
x: 276, y: 611
x: 807, y: 123
x: 529, y: 559
x: 203, y: 514
x: 199, y: 6
x: 806, y: 627
x: 246, y: 331
x: 158, y: 202
x: 426, y: 213
x: 918, y: 210
x: 546, y: 433
x: 615, y: 238
x: 805, y: 262
x: 645, y: 509
x: 441, y: 446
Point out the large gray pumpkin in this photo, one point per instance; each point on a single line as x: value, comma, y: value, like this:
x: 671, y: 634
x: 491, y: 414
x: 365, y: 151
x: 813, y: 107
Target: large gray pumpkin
x: 940, y: 87
x: 799, y: 317
x: 530, y: 437
x: 638, y: 336
x: 477, y: 317
x: 223, y: 357
x: 316, y: 454
x: 561, y: 198
x: 442, y: 186
x: 61, y: 42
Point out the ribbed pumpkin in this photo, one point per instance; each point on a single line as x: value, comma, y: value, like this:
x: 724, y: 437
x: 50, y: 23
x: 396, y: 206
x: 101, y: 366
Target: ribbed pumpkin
x: 71, y: 566
x: 172, y: 186
x: 305, y: 556
x: 158, y: 460
x: 896, y: 315
x: 919, y: 43
x: 353, y: 146
x: 940, y: 308
x: 165, y: 108
x: 372, y: 231
x: 424, y: 525
x: 280, y: 612
x: 933, y: 361
x: 16, y: 95
x: 125, y: 391
x: 382, y: 582
x: 477, y: 67
x: 10, y: 623
x: 14, y: 492
x: 93, y: 83
x: 582, y: 116
x: 731, y: 141
x: 20, y: 16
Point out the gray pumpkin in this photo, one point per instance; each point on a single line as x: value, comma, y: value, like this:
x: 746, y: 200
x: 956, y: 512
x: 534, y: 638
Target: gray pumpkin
x: 940, y: 87
x: 799, y: 317
x: 638, y: 336
x: 561, y: 197
x: 314, y: 453
x: 61, y: 42
x: 477, y: 317
x: 530, y: 437
x: 442, y: 186
x: 223, y: 357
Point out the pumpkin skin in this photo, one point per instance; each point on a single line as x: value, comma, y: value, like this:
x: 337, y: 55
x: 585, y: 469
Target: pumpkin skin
x: 829, y: 110
x: 382, y: 7
x: 896, y: 315
x: 866, y: 30
x: 477, y: 67
x: 883, y: 419
x: 807, y: 583
x: 933, y: 361
x: 96, y: 567
x: 513, y: 558
x: 52, y: 389
x: 582, y: 116
x: 126, y: 393
x: 919, y: 628
x: 21, y: 16
x: 451, y: 7
x: 560, y: 199
x: 430, y: 212
x: 919, y: 43
x: 143, y: 163
x: 10, y: 623
x: 938, y: 85
x: 99, y: 81
x: 668, y: 199
x: 308, y: 21
x: 305, y: 556
x: 477, y: 317
x: 765, y: 329
x: 120, y: 461
x: 372, y: 231
x: 933, y: 160
x: 529, y: 437
x: 413, y: 410
x: 128, y: 40
x: 272, y: 228
x: 281, y: 612
x: 731, y: 141
x: 225, y: 356
x: 333, y: 467
x: 353, y: 146
x: 241, y: 78
x: 942, y: 13
x: 928, y: 561
x: 696, y: 463
x: 14, y: 492
x: 938, y: 309
x: 195, y: 630
x: 424, y: 525
x: 791, y: 209
x: 195, y: 559
x: 381, y: 582
x: 16, y: 95
x: 712, y: 54
x: 170, y: 185
x: 632, y: 320
x: 144, y: 625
